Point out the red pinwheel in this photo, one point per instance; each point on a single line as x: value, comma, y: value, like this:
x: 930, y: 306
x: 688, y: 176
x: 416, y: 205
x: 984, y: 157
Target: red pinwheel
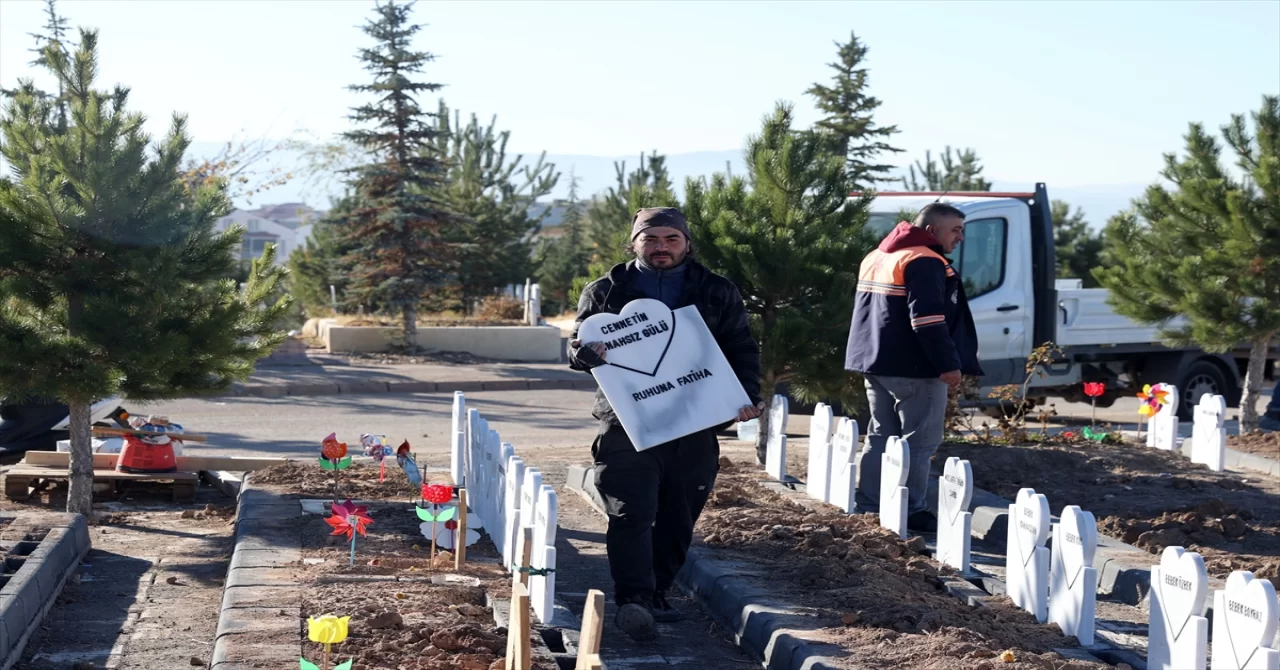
x: 349, y: 519
x: 437, y: 494
x: 1094, y: 389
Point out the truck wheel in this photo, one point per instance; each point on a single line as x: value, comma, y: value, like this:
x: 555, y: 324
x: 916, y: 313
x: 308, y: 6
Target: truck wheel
x: 1201, y: 378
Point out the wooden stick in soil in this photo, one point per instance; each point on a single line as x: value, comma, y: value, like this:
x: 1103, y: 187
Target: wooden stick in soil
x: 460, y: 537
x: 521, y: 655
x: 519, y: 582
x: 592, y: 631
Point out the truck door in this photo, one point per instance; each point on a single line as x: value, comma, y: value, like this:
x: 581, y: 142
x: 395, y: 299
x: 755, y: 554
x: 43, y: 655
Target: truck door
x: 994, y: 263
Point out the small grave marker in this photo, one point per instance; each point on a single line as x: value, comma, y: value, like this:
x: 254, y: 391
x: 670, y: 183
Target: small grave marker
x: 1163, y: 432
x: 895, y: 465
x: 1073, y: 581
x: 457, y: 451
x: 775, y: 460
x: 1177, y: 634
x: 1245, y: 616
x: 1026, y: 558
x: 955, y: 521
x: 844, y: 466
x: 511, y: 525
x: 818, y: 481
x: 1208, y: 439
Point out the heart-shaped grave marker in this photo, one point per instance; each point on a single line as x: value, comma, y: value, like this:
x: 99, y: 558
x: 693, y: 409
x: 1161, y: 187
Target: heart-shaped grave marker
x: 895, y: 466
x: 1249, y: 614
x: 844, y: 469
x: 1183, y: 586
x: 1031, y: 519
x: 1079, y: 533
x: 956, y: 487
x: 637, y: 338
x: 818, y: 481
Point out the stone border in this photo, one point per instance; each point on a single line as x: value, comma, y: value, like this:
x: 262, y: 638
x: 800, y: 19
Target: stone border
x: 363, y: 387
x: 32, y: 590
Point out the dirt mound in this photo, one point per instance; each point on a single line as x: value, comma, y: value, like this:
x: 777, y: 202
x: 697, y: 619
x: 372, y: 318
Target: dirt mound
x: 359, y: 481
x: 1257, y: 442
x: 879, y: 592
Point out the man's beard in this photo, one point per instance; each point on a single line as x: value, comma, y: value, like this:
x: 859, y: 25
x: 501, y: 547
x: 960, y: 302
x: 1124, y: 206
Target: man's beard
x: 666, y: 257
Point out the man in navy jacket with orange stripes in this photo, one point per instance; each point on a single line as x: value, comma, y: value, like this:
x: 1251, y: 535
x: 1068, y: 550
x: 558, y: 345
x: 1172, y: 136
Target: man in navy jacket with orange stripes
x: 912, y: 337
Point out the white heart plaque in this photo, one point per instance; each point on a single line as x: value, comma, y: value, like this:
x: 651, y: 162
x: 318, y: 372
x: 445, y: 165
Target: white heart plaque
x: 1031, y: 525
x: 1250, y: 613
x: 637, y: 338
x: 957, y: 488
x: 1079, y: 533
x: 1183, y: 586
x: 844, y: 445
x: 896, y: 466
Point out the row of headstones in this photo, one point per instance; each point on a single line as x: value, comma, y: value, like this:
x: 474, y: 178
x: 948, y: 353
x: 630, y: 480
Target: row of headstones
x: 1208, y: 437
x: 1057, y: 584
x: 508, y: 496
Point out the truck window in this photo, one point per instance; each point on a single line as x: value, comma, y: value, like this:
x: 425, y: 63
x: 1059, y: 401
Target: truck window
x: 980, y: 258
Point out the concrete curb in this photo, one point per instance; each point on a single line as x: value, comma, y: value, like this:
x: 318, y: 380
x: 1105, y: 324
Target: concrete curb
x: 46, y: 564
x: 260, y: 592
x: 769, y: 630
x: 367, y: 387
x: 1239, y: 460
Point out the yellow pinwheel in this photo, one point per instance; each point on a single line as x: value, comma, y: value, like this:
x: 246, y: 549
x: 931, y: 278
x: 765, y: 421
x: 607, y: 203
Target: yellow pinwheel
x: 326, y: 630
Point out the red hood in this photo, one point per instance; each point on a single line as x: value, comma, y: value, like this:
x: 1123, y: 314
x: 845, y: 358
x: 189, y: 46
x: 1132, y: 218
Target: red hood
x: 905, y: 235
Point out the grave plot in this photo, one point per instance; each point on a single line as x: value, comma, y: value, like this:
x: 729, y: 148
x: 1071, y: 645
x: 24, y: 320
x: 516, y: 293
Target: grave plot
x: 1262, y: 444
x: 872, y: 593
x: 1146, y: 497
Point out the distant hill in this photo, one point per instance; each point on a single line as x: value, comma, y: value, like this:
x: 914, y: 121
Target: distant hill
x: 597, y: 173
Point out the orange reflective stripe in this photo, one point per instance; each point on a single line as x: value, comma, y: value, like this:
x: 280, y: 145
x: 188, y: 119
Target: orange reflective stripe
x: 885, y: 273
x: 922, y: 321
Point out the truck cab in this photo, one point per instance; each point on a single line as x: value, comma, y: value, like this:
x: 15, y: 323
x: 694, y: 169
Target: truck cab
x: 1007, y: 264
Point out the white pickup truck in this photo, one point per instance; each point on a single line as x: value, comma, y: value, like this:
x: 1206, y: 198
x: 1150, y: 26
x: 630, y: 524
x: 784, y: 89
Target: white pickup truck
x: 1007, y: 263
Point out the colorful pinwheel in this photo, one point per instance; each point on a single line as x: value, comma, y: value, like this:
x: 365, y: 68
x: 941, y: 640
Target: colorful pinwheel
x: 406, y: 462
x: 326, y: 630
x: 432, y: 493
x: 333, y: 456
x: 1153, y: 398
x: 1094, y: 390
x: 376, y: 447
x: 349, y: 519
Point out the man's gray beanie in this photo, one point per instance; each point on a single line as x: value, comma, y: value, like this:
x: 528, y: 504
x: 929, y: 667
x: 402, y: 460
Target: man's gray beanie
x: 658, y: 217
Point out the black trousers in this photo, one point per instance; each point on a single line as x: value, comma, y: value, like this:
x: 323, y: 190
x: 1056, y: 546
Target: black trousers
x: 653, y: 498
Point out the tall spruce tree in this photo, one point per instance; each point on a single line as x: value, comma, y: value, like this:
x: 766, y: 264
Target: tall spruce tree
x: 790, y: 239
x: 110, y: 267
x: 849, y: 118
x: 400, y: 228
x: 609, y: 215
x: 564, y: 258
x: 492, y: 194
x: 958, y: 172
x: 1078, y: 249
x: 1206, y: 248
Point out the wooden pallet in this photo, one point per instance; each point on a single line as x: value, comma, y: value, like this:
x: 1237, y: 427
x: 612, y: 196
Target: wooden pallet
x: 24, y: 480
x: 62, y: 459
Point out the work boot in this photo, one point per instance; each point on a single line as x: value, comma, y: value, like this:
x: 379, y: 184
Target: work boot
x: 923, y: 522
x: 636, y: 620
x: 663, y: 612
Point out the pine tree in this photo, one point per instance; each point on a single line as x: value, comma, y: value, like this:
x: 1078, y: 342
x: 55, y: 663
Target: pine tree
x: 848, y: 119
x: 565, y: 258
x: 1206, y: 248
x: 790, y: 239
x: 492, y: 194
x: 400, y: 230
x: 961, y: 172
x: 54, y: 35
x: 110, y: 267
x: 609, y: 215
x: 1078, y: 249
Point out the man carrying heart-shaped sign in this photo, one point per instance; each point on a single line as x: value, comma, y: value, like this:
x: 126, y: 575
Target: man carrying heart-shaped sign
x: 654, y: 496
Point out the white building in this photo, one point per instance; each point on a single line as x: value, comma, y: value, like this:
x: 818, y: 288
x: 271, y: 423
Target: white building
x: 288, y: 226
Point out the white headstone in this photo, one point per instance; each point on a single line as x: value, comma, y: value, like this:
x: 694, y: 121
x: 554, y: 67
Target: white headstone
x: 1026, y: 558
x: 511, y: 525
x: 665, y: 376
x: 529, y: 492
x: 818, y: 482
x: 895, y: 465
x: 542, y: 588
x: 501, y: 505
x: 779, y: 412
x: 544, y: 525
x: 775, y: 460
x: 492, y: 455
x: 1208, y: 438
x: 535, y: 306
x: 955, y: 521
x: 1177, y: 634
x: 1163, y: 433
x: 844, y: 466
x: 1245, y: 616
x: 477, y: 428
x: 1073, y: 581
x: 457, y: 452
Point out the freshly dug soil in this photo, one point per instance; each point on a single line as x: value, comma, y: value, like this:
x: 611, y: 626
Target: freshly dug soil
x: 358, y: 482
x: 409, y: 626
x: 394, y: 545
x: 1145, y: 497
x: 1265, y: 444
x: 877, y: 594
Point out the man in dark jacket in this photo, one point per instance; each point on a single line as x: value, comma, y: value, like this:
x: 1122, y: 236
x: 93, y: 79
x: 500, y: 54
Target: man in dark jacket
x: 912, y: 337
x: 654, y: 496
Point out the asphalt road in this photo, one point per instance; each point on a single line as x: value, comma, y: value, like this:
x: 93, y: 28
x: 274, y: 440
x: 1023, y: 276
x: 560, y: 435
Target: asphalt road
x: 294, y: 426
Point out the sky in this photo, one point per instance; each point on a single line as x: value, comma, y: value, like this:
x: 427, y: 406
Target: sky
x: 1075, y: 94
